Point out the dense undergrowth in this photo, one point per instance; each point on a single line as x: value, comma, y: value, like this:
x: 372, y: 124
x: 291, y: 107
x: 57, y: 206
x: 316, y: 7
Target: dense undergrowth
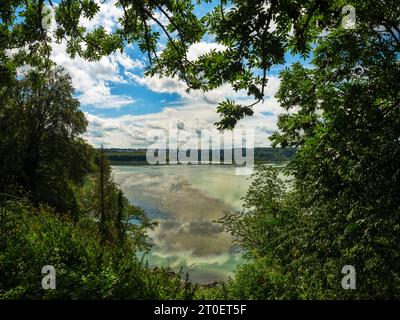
x: 85, y: 267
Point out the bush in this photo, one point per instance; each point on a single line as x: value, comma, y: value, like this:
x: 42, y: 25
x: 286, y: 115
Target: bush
x: 85, y: 268
x: 294, y: 251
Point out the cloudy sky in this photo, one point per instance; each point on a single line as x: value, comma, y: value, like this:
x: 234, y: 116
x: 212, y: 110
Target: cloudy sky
x: 122, y: 105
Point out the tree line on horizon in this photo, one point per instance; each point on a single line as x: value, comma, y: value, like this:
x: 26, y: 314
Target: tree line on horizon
x: 118, y: 156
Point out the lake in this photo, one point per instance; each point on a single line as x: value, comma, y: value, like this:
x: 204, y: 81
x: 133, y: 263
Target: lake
x: 185, y: 200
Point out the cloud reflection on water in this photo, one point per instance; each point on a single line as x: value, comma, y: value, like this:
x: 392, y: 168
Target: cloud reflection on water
x: 186, y: 200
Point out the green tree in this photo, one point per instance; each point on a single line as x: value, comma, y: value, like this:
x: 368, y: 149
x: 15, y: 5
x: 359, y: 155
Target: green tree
x: 342, y: 115
x: 117, y: 218
x: 86, y: 267
x: 347, y: 168
x: 255, y: 34
x: 44, y: 155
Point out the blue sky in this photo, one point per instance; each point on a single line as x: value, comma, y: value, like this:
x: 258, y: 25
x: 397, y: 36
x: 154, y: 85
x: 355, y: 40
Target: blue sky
x: 122, y: 104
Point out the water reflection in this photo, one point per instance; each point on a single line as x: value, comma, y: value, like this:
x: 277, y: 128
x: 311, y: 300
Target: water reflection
x: 186, y: 200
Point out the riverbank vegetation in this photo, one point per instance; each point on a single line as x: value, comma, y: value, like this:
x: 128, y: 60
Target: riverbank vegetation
x: 59, y: 206
x: 128, y: 157
x: 340, y: 112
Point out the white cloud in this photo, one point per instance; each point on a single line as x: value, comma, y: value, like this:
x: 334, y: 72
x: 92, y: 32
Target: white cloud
x: 130, y: 131
x: 198, y: 49
x: 93, y: 80
x: 160, y: 85
x: 107, y: 16
x: 196, y: 110
x: 213, y: 97
x: 158, y: 15
x: 101, y: 98
x: 126, y: 62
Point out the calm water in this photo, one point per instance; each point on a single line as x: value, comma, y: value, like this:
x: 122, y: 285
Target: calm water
x: 185, y: 200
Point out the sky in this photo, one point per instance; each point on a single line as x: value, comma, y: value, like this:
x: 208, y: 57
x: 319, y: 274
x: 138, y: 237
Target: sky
x: 122, y: 105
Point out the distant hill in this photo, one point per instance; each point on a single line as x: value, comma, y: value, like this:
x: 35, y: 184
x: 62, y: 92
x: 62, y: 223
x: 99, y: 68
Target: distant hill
x: 118, y: 156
